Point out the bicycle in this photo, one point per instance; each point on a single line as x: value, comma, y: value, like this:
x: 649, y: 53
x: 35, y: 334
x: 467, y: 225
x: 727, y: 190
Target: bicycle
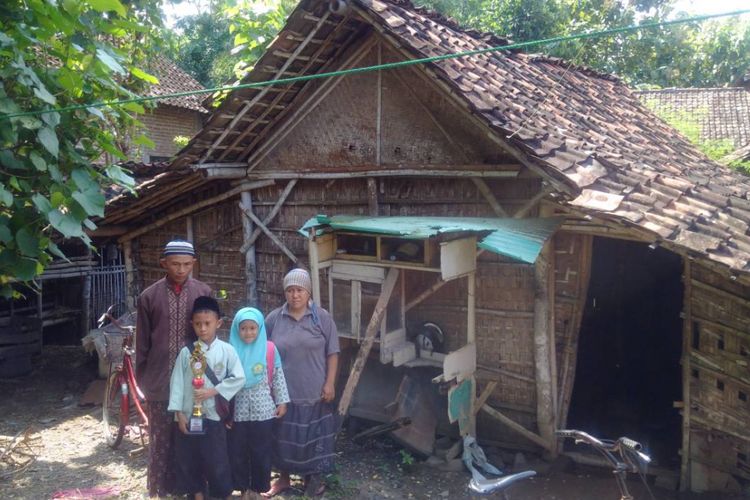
x: 123, y: 399
x: 624, y: 454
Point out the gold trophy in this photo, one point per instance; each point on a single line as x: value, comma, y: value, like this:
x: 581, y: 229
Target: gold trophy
x: 198, y: 365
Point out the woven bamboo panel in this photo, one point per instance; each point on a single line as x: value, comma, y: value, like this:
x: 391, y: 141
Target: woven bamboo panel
x: 719, y: 357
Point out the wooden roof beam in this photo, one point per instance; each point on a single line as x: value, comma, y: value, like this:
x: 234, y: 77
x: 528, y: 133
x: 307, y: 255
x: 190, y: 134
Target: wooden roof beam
x: 264, y: 90
x: 290, y: 88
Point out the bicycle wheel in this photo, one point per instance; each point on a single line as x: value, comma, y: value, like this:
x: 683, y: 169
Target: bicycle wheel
x: 112, y: 421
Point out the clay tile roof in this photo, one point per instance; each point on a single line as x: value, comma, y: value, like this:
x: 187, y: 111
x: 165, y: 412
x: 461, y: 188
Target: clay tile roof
x: 723, y: 113
x: 594, y: 131
x: 587, y: 133
x: 173, y: 79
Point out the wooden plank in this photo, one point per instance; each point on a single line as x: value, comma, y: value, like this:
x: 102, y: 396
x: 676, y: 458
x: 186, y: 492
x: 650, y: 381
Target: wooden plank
x: 542, y: 366
x: 487, y: 193
x: 533, y: 201
x: 486, y: 393
x: 458, y: 257
x: 518, y: 428
x: 687, y: 335
x: 268, y: 218
x: 249, y: 213
x: 460, y: 364
x: 248, y: 186
x: 364, y: 350
x: 257, y: 97
x: 251, y: 273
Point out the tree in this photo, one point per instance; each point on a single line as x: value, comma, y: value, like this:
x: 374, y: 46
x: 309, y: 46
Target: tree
x: 54, y: 55
x: 714, y: 53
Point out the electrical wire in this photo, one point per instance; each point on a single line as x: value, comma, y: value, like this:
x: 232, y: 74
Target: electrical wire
x: 378, y: 67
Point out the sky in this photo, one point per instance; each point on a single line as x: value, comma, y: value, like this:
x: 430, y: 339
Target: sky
x: 712, y: 6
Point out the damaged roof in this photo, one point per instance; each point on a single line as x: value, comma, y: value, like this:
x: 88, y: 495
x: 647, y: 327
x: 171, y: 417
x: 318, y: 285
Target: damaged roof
x: 587, y: 133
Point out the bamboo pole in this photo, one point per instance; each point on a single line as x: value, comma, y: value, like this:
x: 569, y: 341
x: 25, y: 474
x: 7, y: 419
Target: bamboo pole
x: 486, y: 393
x: 687, y: 335
x: 542, y: 365
x: 249, y: 213
x: 489, y: 196
x: 249, y: 242
x: 251, y: 275
x: 194, y: 208
x: 513, y: 425
x: 364, y: 350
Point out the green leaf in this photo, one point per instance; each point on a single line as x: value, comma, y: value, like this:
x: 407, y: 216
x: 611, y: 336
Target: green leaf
x: 8, y: 159
x: 67, y: 225
x: 57, y: 199
x: 96, y: 112
x: 109, y: 61
x: 143, y: 140
x: 55, y: 250
x: 89, y: 224
x: 41, y: 203
x: 51, y: 118
x: 38, y: 161
x: 26, y: 269
x: 48, y: 138
x: 6, y: 197
x: 139, y: 73
x: 27, y: 242
x: 119, y: 176
x: 42, y: 93
x: 83, y: 180
x: 70, y: 81
x: 134, y: 107
x: 5, y: 235
x: 92, y: 201
x: 108, y: 5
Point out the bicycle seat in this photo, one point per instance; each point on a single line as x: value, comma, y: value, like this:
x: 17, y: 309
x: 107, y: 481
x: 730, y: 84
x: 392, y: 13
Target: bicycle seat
x: 486, y: 486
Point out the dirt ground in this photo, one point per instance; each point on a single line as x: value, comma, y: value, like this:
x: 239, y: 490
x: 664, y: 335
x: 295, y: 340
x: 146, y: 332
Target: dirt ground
x: 60, y: 449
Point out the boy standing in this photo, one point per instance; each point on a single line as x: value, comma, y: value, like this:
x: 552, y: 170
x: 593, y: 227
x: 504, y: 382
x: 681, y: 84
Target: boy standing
x: 163, y: 327
x: 203, y: 458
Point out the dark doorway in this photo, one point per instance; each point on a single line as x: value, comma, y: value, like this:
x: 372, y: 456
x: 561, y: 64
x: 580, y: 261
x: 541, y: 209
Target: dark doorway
x: 628, y: 372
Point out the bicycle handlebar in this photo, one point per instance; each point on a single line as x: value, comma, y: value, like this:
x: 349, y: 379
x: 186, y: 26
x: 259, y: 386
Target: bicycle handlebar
x: 629, y: 443
x: 580, y: 436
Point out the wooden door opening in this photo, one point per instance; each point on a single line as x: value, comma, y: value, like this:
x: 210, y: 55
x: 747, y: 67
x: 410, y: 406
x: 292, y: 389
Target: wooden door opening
x: 628, y: 373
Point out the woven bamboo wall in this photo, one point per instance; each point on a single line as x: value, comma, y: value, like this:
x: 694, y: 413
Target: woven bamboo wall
x: 718, y: 351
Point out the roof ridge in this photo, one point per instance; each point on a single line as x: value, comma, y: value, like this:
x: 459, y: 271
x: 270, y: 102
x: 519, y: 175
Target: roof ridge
x: 690, y: 89
x: 582, y: 68
x: 440, y: 18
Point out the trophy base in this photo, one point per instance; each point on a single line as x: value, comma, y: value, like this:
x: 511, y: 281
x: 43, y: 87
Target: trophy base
x: 195, y: 426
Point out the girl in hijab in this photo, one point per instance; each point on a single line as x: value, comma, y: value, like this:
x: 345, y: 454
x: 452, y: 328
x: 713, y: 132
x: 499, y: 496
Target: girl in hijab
x: 262, y: 400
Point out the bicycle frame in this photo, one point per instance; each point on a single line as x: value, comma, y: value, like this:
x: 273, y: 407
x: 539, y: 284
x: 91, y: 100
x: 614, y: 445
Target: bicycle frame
x: 128, y: 385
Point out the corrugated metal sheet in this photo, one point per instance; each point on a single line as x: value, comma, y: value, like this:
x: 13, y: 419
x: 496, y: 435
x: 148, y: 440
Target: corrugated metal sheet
x: 520, y: 239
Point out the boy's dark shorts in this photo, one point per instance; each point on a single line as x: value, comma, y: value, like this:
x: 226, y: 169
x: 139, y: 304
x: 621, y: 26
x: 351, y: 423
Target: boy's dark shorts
x: 202, y: 459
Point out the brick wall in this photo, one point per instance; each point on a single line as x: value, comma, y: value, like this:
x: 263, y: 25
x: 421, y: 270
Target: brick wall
x: 163, y: 124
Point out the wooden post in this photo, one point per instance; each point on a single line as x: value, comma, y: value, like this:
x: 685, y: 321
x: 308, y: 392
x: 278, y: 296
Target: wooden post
x: 364, y: 349
x: 39, y: 312
x: 127, y: 255
x: 312, y: 252
x: 687, y: 335
x: 372, y: 196
x: 249, y: 213
x: 512, y: 424
x: 86, y: 300
x: 251, y: 276
x: 471, y: 312
x: 544, y: 401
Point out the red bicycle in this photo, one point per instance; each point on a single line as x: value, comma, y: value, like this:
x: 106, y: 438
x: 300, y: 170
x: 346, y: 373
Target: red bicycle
x: 122, y: 407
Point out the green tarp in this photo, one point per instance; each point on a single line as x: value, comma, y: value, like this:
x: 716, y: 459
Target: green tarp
x: 520, y: 239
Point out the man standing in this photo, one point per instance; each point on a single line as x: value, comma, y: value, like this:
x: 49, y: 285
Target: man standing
x: 163, y: 328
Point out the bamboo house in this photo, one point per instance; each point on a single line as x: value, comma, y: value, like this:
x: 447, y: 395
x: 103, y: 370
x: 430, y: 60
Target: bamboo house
x: 630, y: 319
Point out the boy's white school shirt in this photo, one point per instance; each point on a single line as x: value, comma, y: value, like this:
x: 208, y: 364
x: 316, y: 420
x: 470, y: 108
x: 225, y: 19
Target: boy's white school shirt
x: 223, y: 360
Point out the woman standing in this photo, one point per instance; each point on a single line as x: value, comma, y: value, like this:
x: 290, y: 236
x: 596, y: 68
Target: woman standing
x: 308, y: 343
